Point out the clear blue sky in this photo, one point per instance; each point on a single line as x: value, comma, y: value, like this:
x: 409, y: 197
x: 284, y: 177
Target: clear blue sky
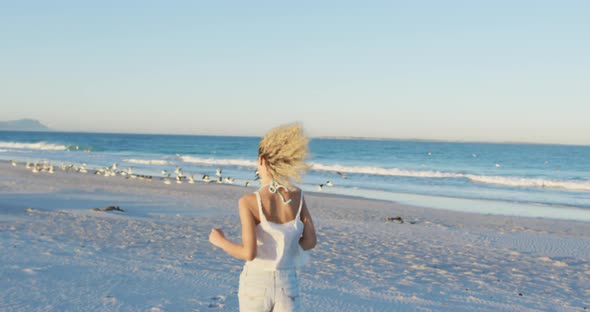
x: 453, y: 70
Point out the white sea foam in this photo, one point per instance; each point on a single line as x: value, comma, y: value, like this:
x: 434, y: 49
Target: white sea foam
x: 34, y: 146
x: 213, y: 161
x: 583, y: 185
x: 497, y: 180
x: 532, y: 182
x: 147, y: 161
x: 385, y: 171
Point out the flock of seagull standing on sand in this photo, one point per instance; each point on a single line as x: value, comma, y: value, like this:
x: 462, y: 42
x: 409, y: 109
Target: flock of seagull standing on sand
x: 179, y: 178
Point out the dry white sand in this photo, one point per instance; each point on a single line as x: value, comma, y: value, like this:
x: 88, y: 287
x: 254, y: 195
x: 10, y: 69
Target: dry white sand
x: 56, y: 254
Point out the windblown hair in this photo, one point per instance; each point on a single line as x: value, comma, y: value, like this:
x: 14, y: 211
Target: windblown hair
x: 285, y: 148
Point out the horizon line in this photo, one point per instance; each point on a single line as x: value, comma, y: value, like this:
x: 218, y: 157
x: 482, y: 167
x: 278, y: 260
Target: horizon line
x: 343, y: 137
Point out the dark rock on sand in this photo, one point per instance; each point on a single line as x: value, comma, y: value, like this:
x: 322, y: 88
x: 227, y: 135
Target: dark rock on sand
x: 109, y: 208
x: 395, y: 219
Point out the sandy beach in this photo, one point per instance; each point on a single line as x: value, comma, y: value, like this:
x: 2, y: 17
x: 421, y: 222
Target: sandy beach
x: 58, y: 254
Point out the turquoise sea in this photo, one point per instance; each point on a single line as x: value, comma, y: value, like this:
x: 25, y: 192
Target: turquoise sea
x: 513, y: 179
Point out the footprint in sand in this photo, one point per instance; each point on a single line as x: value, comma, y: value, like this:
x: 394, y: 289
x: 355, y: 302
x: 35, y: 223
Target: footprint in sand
x: 29, y: 271
x: 217, y: 302
x: 109, y: 299
x: 556, y: 263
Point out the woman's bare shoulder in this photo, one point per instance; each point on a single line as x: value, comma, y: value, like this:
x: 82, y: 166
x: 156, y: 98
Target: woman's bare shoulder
x: 248, y: 199
x: 249, y: 202
x: 295, y: 190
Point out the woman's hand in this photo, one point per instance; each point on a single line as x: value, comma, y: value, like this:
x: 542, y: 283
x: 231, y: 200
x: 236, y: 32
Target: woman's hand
x: 216, y: 237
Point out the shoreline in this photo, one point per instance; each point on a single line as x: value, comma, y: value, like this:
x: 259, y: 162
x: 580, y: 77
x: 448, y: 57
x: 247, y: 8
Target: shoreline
x: 55, y: 251
x: 405, y: 199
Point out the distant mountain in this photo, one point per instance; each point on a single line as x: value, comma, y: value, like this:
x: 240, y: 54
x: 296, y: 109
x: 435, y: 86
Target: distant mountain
x: 23, y: 125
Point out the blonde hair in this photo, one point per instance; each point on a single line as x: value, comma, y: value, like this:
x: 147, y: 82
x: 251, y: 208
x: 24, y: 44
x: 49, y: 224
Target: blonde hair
x: 285, y: 148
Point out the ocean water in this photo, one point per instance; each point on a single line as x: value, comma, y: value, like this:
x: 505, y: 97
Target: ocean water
x: 512, y: 179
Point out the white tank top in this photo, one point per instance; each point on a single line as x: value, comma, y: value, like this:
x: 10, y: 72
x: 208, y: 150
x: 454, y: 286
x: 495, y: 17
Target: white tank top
x: 278, y: 244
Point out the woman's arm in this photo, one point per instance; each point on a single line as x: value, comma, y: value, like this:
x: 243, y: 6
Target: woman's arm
x: 308, y: 239
x: 247, y: 249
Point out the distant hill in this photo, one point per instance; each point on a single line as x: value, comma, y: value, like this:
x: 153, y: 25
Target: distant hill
x: 23, y: 125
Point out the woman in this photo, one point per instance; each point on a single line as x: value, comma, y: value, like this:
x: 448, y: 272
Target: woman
x: 276, y: 226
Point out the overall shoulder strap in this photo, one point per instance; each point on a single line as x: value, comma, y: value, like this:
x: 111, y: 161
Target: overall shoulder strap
x: 300, y: 205
x: 259, y: 201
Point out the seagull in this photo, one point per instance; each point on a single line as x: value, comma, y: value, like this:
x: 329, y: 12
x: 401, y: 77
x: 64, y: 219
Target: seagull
x: 247, y: 183
x: 114, y: 166
x: 220, y: 180
x: 13, y: 163
x: 67, y: 167
x: 320, y: 187
x: 343, y: 175
x: 178, y: 179
x: 191, y: 179
x: 329, y: 183
x: 51, y: 169
x: 82, y: 168
x: 205, y: 178
x: 229, y: 180
x: 167, y: 181
x: 218, y: 172
x: 257, y: 176
x: 45, y: 166
x: 164, y: 172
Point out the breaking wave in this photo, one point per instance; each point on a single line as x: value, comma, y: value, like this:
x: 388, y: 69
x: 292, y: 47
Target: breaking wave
x: 576, y: 185
x: 582, y: 185
x: 218, y: 162
x: 34, y: 146
x: 147, y: 161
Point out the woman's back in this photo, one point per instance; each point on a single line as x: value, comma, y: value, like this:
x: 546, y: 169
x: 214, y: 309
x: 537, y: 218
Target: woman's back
x: 273, y: 208
x: 278, y: 230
